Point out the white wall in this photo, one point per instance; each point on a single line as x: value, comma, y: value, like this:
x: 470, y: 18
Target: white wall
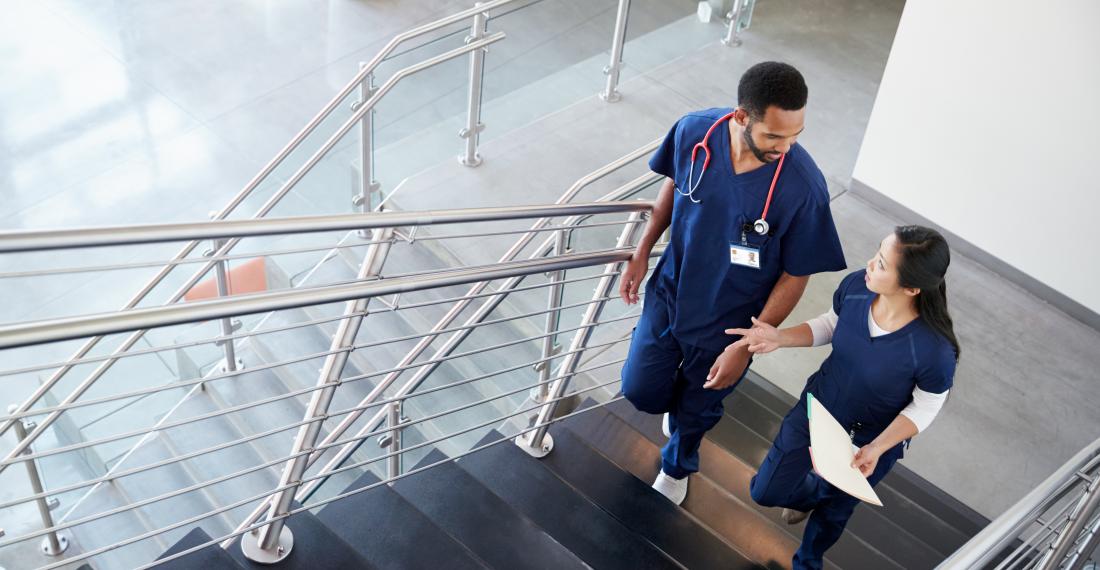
x: 987, y: 122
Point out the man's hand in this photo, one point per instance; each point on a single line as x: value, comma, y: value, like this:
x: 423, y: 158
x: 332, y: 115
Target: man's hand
x: 866, y: 459
x: 728, y: 368
x: 631, y: 279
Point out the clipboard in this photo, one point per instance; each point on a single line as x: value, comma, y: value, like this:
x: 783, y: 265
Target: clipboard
x: 831, y: 454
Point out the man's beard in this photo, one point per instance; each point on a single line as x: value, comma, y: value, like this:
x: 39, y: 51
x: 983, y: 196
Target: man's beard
x: 759, y: 154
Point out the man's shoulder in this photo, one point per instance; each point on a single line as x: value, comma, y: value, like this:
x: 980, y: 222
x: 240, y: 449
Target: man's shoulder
x: 803, y: 167
x: 703, y: 118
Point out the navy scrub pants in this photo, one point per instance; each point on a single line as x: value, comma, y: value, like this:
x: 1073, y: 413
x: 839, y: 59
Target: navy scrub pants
x: 662, y: 375
x: 786, y: 479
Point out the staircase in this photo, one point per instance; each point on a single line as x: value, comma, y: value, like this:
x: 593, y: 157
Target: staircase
x: 588, y: 504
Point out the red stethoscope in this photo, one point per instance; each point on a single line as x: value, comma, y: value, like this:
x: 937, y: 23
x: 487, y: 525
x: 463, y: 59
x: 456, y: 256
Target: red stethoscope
x: 759, y: 226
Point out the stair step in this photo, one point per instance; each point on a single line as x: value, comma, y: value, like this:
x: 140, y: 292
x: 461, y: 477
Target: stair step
x: 637, y: 506
x: 210, y: 558
x: 315, y: 546
x: 719, y: 508
x: 733, y: 475
x: 496, y: 533
x: 937, y: 520
x: 216, y: 431
x: 391, y: 533
x: 167, y: 479
x: 529, y: 487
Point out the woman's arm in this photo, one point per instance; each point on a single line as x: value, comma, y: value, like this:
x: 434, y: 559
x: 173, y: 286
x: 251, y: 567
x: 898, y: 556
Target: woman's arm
x: 763, y: 337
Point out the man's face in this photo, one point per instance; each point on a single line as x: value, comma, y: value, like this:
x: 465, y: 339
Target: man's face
x: 773, y: 135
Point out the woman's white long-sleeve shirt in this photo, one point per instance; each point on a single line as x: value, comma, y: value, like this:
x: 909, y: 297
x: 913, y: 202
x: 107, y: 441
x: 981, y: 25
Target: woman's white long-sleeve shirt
x: 925, y: 405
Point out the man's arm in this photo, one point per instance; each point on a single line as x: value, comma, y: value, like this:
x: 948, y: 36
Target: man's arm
x: 784, y: 296
x: 634, y: 271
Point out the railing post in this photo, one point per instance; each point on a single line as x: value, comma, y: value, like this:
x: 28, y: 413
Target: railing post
x: 615, y: 67
x: 550, y: 346
x: 53, y: 544
x: 221, y: 277
x: 740, y: 18
x: 368, y: 185
x: 272, y: 543
x: 538, y: 442
x: 1080, y: 517
x: 393, y: 440
x: 474, y: 126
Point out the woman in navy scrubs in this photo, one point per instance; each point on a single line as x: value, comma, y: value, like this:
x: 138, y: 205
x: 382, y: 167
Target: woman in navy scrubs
x: 893, y: 362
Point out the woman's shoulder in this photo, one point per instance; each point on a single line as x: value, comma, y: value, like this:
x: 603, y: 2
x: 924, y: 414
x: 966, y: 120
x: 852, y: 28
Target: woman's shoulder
x: 854, y: 283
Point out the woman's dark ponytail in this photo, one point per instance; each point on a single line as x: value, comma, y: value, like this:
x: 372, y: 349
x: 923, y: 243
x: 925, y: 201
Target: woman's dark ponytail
x: 924, y: 260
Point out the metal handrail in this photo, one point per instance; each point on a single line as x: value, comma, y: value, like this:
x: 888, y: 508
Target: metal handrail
x: 295, y: 360
x: 229, y: 244
x: 1002, y: 531
x: 68, y: 328
x: 42, y: 240
x: 476, y: 290
x: 365, y: 71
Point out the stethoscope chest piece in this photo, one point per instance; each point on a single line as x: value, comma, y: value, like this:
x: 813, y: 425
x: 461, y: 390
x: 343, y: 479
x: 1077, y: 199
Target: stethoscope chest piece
x: 761, y: 227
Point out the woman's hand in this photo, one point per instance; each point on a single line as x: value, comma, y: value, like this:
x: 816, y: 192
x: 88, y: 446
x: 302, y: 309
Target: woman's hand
x: 866, y: 459
x: 762, y: 338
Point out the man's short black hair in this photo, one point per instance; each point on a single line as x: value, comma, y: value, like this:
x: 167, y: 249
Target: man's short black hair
x: 771, y: 83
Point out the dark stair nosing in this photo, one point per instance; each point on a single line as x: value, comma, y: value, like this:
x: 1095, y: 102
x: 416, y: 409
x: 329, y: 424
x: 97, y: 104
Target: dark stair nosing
x: 460, y: 505
x: 315, y: 546
x: 637, y: 506
x: 591, y: 533
x: 211, y: 557
x: 733, y: 477
x: 391, y: 533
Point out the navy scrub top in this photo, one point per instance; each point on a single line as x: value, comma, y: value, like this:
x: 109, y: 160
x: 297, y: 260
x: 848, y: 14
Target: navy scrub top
x: 871, y: 380
x: 705, y: 292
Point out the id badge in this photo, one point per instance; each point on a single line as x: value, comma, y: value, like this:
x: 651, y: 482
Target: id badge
x: 744, y: 255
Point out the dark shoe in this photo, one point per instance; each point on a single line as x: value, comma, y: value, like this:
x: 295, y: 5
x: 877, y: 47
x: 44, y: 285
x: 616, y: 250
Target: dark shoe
x: 791, y: 516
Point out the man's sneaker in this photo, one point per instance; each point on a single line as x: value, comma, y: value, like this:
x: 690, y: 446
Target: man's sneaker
x: 665, y: 428
x: 673, y: 489
x: 791, y: 516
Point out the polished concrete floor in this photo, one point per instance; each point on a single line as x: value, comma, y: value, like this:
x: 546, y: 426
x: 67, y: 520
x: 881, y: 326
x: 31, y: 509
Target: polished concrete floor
x: 139, y: 112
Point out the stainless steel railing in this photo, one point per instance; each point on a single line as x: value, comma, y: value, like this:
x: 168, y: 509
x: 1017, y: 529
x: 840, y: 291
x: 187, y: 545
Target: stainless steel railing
x: 1056, y: 525
x: 73, y: 327
x: 226, y: 234
x: 362, y: 82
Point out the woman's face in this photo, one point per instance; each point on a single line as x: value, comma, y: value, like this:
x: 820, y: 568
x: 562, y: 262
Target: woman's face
x: 882, y: 268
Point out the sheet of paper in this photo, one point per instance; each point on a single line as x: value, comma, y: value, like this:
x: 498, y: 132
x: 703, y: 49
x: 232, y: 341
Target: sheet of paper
x: 831, y: 452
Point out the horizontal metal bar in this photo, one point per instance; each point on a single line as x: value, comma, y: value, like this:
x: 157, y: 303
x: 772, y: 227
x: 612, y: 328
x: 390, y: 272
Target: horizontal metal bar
x: 42, y: 240
x: 260, y: 332
x: 249, y: 528
x: 135, y: 433
x: 242, y: 502
x: 38, y: 332
x: 271, y: 463
x: 277, y: 364
x: 270, y: 432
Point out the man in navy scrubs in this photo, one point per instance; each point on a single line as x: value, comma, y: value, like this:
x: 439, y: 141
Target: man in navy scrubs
x: 722, y: 267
